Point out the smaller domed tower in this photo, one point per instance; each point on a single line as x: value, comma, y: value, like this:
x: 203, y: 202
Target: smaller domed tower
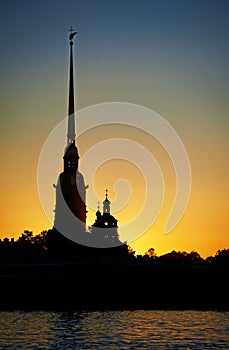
x: 106, y: 204
x: 105, y: 229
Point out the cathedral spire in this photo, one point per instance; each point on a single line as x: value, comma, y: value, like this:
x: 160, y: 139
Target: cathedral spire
x: 71, y: 104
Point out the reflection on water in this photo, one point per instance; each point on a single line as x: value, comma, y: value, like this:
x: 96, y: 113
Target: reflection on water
x: 114, y: 330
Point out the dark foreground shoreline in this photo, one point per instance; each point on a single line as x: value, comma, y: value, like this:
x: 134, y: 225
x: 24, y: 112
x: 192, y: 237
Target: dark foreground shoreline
x: 103, y: 286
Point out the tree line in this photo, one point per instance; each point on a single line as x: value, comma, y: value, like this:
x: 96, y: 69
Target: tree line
x: 29, y: 247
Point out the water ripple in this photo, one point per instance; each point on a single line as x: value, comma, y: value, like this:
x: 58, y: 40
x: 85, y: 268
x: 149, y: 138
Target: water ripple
x: 114, y: 330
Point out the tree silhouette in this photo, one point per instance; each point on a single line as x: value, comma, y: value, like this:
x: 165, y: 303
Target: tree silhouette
x: 49, y: 245
x: 26, y: 236
x: 221, y: 257
x: 151, y: 253
x: 131, y: 252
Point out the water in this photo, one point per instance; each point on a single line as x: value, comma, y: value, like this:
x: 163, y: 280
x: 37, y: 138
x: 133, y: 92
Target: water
x: 114, y: 330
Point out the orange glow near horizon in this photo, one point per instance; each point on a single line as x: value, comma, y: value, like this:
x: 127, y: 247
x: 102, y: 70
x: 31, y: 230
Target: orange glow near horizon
x: 203, y: 227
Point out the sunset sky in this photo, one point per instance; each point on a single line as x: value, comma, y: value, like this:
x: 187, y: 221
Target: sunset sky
x: 169, y: 56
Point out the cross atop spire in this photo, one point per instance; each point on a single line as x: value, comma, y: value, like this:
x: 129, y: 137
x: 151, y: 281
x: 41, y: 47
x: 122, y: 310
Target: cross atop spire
x: 72, y: 34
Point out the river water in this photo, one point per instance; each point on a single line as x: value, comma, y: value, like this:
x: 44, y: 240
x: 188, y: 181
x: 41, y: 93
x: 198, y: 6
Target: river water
x: 114, y: 330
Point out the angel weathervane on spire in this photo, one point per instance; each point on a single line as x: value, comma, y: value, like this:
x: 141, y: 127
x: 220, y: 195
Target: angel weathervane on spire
x: 72, y: 33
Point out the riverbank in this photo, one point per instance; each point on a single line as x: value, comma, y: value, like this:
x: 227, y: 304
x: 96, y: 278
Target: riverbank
x: 102, y: 286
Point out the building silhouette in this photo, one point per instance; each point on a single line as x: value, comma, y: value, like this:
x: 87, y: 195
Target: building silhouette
x: 69, y: 235
x: 105, y: 226
x: 70, y: 188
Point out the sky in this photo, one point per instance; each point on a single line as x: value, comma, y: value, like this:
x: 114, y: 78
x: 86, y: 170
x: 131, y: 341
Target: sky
x: 169, y: 56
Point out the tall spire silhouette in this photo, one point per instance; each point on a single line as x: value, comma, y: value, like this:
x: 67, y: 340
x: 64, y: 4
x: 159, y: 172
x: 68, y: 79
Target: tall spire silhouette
x: 71, y: 195
x: 70, y: 189
x: 71, y: 103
